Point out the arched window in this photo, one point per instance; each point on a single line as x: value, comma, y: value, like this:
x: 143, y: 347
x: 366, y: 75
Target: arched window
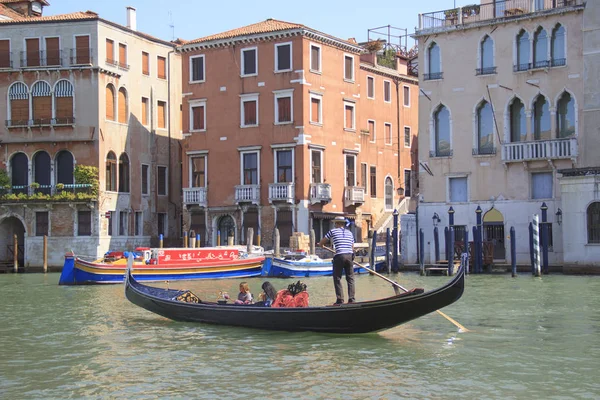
x: 123, y: 106
x: 19, y: 170
x: 124, y: 173
x: 41, y: 103
x: 522, y: 51
x: 389, y: 193
x: 110, y: 102
x: 541, y: 119
x: 518, y: 123
x: 63, y: 102
x: 557, y: 50
x: 111, y: 172
x: 18, y: 97
x: 41, y: 171
x: 486, y: 65
x: 540, y: 48
x: 593, y: 222
x: 434, y: 62
x: 64, y: 167
x: 441, y: 122
x: 485, y: 128
x: 565, y: 116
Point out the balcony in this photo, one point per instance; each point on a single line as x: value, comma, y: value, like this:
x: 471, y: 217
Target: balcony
x: 281, y: 192
x: 195, y: 196
x: 354, y: 196
x: 496, y: 11
x: 73, y: 192
x: 555, y: 149
x: 247, y: 194
x: 26, y: 123
x: 6, y: 60
x: 485, y: 71
x: 81, y: 56
x: 320, y: 192
x: 41, y: 59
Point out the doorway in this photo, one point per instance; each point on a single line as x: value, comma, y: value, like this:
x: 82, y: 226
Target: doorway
x: 226, y: 228
x: 493, y: 231
x: 9, y: 227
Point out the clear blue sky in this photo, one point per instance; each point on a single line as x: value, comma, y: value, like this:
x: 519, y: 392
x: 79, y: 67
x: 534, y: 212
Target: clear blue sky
x: 343, y: 19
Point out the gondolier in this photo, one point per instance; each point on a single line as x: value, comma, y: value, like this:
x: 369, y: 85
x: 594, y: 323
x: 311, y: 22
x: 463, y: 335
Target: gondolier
x: 343, y: 241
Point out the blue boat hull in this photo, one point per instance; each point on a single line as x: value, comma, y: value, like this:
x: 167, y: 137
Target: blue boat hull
x: 279, y: 268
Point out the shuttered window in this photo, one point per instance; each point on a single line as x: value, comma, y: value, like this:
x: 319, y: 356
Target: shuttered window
x: 161, y: 66
x: 82, y: 49
x: 18, y: 96
x: 122, y: 106
x: 63, y: 102
x: 197, y: 69
x: 33, y: 52
x: 145, y: 63
x: 41, y: 102
x: 5, y: 54
x: 349, y: 116
x: 371, y: 127
x: 110, y: 51
x: 370, y: 87
x: 250, y: 112
x: 161, y: 183
x: 349, y: 68
x: 315, y: 58
x: 145, y: 111
x: 162, y: 114
x: 84, y: 223
x: 53, y: 51
x: 284, y: 109
x: 315, y: 109
x: 198, y: 118
x: 123, y: 56
x: 388, y: 133
x: 110, y: 103
x: 41, y: 223
x: 373, y: 180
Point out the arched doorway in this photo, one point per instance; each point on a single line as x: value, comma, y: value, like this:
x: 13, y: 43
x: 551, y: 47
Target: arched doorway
x: 226, y: 227
x: 8, y: 227
x: 493, y: 230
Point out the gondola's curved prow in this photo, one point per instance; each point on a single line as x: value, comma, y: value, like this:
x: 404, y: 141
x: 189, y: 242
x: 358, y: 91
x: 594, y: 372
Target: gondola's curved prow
x: 368, y: 316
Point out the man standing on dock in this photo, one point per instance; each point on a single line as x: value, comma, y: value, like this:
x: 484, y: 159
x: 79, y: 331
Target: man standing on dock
x: 343, y: 241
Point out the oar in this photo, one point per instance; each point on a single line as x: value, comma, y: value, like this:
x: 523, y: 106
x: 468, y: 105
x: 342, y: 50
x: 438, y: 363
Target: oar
x: 396, y: 285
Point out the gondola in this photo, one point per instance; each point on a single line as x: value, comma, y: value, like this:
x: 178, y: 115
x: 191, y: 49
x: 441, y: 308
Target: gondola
x: 360, y: 317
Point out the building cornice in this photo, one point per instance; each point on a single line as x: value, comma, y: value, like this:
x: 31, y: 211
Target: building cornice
x: 390, y: 73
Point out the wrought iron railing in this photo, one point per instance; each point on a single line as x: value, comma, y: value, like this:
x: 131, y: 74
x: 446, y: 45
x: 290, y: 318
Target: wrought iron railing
x: 433, y: 75
x: 485, y: 71
x: 7, y: 60
x: 81, y: 56
x: 30, y: 191
x: 484, y: 151
x: 440, y: 153
x: 21, y: 123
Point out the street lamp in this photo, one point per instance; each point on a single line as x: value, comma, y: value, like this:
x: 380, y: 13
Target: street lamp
x: 436, y: 219
x: 559, y: 216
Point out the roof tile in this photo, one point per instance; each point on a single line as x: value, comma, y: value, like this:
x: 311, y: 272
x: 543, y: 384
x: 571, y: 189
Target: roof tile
x: 267, y: 26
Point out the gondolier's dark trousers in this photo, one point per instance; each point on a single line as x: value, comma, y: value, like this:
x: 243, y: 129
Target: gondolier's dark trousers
x: 343, y: 263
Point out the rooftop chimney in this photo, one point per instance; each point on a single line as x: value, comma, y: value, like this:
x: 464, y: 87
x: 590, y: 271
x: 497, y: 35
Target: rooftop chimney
x: 131, y: 23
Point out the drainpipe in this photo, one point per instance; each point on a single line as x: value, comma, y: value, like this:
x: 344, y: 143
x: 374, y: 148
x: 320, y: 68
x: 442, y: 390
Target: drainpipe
x: 397, y: 82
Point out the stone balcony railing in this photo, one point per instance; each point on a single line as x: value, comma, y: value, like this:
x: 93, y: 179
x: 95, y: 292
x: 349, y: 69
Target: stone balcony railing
x: 283, y: 192
x: 195, y: 196
x: 247, y: 194
x: 554, y: 149
x: 354, y: 196
x: 320, y: 192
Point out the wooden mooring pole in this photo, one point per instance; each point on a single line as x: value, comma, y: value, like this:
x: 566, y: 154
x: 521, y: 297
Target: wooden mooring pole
x: 249, y: 240
x: 16, y: 253
x: 277, y: 243
x: 45, y: 253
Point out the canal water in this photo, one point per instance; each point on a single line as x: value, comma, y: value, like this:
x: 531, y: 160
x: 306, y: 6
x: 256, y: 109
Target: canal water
x: 529, y: 338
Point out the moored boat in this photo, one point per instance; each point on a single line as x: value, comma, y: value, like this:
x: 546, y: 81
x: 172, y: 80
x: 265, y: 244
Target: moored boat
x: 302, y: 265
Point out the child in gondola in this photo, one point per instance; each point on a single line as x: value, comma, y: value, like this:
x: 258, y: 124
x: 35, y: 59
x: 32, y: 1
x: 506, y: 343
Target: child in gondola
x: 267, y: 297
x: 244, y: 297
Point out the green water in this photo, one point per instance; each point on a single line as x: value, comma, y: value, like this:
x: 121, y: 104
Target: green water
x: 530, y: 338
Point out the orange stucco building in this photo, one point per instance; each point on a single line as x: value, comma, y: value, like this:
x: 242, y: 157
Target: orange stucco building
x: 286, y: 127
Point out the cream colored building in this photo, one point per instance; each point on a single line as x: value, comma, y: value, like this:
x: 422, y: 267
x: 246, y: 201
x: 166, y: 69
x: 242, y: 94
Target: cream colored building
x: 501, y: 112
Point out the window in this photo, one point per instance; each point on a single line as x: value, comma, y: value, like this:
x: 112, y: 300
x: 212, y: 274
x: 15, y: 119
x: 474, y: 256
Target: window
x: 458, y: 189
x: 349, y: 117
x: 197, y: 69
x: 123, y: 56
x: 162, y: 114
x: 64, y: 167
x: 406, y: 136
x: 145, y: 111
x: 41, y: 171
x: 565, y: 116
x: 161, y: 67
x: 19, y: 173
x: 350, y: 170
x: 370, y: 87
x: 250, y: 168
x: 522, y: 51
x: 373, y: 180
x: 5, y: 61
x: 284, y: 159
x: 541, y: 119
x: 161, y: 184
x: 316, y: 167
x: 363, y: 176
x: 557, y: 50
x: 407, y: 182
x: 18, y: 95
x: 249, y: 110
x: 249, y: 62
x: 111, y: 172
x: 371, y: 127
x: 441, y: 125
x: 84, y: 223
x: 284, y: 113
x: 485, y: 129
x: 593, y: 222
x: 63, y: 102
x: 41, y: 103
x: 486, y: 57
x: 197, y: 116
x: 406, y: 96
x: 123, y: 223
x: 518, y: 123
x: 434, y: 64
x: 33, y: 52
x: 145, y: 179
x: 198, y: 169
x: 387, y: 91
x: 387, y: 127
x: 349, y: 68
x: 162, y: 224
x: 82, y: 50
x: 283, y: 57
x: 41, y: 223
x: 316, y: 116
x: 540, y: 49
x: 123, y: 173
x: 541, y: 185
x: 138, y: 228
x: 53, y: 51
x: 389, y: 194
x: 145, y: 63
x: 123, y: 112
x: 110, y: 102
x: 315, y: 58
x: 110, y: 223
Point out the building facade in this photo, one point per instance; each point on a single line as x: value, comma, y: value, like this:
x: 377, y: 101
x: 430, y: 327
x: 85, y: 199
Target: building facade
x: 501, y: 114
x: 90, y: 143
x: 286, y: 127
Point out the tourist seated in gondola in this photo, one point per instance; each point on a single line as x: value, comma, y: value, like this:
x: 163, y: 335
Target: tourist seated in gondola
x: 244, y: 297
x: 267, y: 296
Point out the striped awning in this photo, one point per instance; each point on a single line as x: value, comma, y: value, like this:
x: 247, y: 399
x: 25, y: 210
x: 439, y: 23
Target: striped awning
x: 18, y: 91
x: 41, y: 88
x: 63, y: 89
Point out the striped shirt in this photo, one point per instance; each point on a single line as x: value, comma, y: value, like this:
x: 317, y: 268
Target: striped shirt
x: 342, y: 240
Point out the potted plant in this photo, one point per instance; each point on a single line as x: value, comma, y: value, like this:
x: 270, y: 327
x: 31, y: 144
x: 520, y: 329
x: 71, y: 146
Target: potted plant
x: 451, y: 14
x: 35, y: 185
x: 471, y: 9
x: 60, y: 186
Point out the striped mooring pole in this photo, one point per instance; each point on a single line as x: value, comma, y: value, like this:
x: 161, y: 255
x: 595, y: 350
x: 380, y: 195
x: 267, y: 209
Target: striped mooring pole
x: 536, y: 245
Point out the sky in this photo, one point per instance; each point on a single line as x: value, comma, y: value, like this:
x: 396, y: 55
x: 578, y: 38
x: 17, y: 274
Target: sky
x: 340, y: 18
